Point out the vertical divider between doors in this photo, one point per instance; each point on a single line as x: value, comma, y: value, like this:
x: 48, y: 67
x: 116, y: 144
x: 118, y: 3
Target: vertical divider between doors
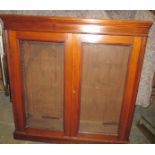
x: 72, y: 83
x: 76, y: 74
x: 68, y: 84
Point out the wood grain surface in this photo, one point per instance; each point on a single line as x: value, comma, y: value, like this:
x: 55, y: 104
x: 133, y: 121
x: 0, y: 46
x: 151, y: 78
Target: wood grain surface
x: 74, y: 80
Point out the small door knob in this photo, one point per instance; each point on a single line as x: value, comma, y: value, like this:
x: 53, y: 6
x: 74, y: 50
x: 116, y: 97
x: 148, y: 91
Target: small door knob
x: 74, y: 92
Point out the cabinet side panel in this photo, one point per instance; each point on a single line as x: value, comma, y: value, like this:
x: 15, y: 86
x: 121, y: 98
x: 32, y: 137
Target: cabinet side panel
x: 132, y: 82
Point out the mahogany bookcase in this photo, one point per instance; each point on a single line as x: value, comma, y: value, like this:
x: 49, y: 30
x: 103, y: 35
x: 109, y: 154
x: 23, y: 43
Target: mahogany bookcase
x: 73, y: 80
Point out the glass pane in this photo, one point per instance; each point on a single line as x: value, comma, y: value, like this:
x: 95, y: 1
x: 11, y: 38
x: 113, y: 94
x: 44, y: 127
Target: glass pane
x: 104, y: 70
x: 43, y: 83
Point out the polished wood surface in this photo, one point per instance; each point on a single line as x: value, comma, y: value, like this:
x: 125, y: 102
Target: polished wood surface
x: 75, y: 25
x: 68, y: 84
x: 131, y: 88
x: 97, y: 77
x: 136, y: 61
x: 75, y: 83
x: 46, y: 136
x: 15, y: 75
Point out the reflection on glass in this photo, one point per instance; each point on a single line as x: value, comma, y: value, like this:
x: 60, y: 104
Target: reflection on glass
x: 103, y: 76
x: 42, y: 71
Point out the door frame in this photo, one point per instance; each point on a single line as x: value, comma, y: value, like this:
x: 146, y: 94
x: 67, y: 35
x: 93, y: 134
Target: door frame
x: 72, y: 75
x: 130, y: 87
x: 15, y: 73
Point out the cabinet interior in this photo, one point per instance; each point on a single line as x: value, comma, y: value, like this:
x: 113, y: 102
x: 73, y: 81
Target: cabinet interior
x: 104, y: 69
x: 43, y: 83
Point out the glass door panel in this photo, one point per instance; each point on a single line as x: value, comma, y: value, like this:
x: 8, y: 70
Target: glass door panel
x: 43, y: 83
x: 104, y: 68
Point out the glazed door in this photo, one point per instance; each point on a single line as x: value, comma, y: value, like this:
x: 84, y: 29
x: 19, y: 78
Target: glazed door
x: 105, y: 69
x: 39, y: 65
x: 73, y: 85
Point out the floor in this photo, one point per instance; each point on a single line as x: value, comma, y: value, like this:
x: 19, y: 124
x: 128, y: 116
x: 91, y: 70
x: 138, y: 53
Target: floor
x: 7, y: 125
